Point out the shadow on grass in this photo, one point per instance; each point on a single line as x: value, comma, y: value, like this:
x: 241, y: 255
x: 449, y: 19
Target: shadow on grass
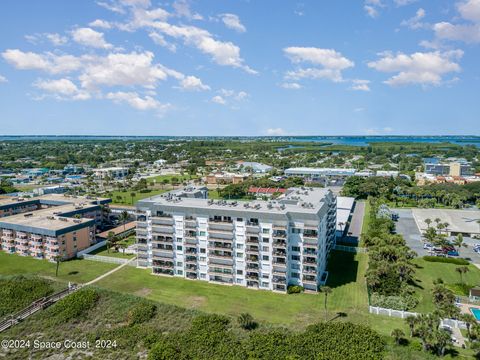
x: 73, y: 273
x: 342, y: 269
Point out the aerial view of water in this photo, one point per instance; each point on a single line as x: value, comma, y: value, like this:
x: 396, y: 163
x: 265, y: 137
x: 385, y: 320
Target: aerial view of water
x: 340, y: 140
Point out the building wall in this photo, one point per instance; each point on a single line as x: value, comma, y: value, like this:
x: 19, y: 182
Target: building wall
x: 249, y: 251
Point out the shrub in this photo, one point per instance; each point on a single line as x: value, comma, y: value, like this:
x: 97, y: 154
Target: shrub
x: 294, y: 289
x: 74, y: 305
x: 141, y: 312
x: 18, y: 292
x: 246, y: 321
x: 446, y: 260
x: 401, y: 302
x: 460, y: 289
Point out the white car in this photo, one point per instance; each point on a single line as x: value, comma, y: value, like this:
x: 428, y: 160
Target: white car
x: 428, y: 246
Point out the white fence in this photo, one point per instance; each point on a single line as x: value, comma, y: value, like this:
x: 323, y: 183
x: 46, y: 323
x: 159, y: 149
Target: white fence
x: 353, y: 249
x: 106, y: 259
x: 403, y: 314
x: 91, y: 248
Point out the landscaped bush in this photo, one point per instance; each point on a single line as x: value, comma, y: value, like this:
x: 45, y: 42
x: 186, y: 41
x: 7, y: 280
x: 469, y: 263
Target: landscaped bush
x: 18, y: 292
x: 141, y: 312
x: 404, y: 302
x: 294, y: 289
x: 210, y: 338
x: 448, y: 260
x: 460, y: 288
x: 74, y: 305
x: 246, y: 321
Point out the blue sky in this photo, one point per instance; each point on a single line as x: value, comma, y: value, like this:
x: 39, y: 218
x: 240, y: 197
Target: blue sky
x: 224, y: 67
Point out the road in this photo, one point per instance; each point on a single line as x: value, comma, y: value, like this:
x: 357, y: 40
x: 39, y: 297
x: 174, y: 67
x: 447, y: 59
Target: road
x: 354, y: 229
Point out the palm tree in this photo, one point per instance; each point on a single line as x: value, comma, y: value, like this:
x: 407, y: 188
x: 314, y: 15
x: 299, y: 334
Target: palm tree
x: 462, y: 270
x: 246, y: 321
x: 458, y: 242
x: 123, y: 246
x: 132, y: 194
x: 58, y: 260
x: 469, y: 320
x: 123, y: 218
x: 326, y: 290
x: 428, y: 222
x: 443, y: 339
x: 110, y: 240
x: 411, y: 321
x: 397, y: 334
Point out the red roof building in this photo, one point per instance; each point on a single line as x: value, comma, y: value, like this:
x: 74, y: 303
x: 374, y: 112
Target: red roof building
x: 265, y: 191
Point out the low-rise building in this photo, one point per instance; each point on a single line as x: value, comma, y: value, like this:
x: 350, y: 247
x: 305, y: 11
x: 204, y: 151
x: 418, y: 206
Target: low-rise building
x: 255, y: 167
x: 315, y: 174
x: 260, y: 244
x: 221, y: 178
x: 111, y: 172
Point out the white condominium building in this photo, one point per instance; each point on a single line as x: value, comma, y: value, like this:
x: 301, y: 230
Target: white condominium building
x: 260, y: 244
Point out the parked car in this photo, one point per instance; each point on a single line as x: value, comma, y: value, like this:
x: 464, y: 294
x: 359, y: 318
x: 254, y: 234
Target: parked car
x: 452, y: 253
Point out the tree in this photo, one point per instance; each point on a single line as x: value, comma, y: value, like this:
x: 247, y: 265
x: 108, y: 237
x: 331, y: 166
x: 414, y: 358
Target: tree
x: 58, y: 260
x: 442, y: 339
x: 246, y: 322
x: 469, y: 320
x: 397, y: 335
x: 428, y: 221
x: 123, y: 218
x: 326, y: 290
x: 132, y: 195
x: 110, y: 240
x: 123, y: 246
x: 462, y: 270
x: 411, y: 321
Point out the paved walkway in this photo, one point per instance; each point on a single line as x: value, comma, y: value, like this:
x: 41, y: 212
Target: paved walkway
x: 457, y: 334
x: 110, y: 272
x: 354, y: 229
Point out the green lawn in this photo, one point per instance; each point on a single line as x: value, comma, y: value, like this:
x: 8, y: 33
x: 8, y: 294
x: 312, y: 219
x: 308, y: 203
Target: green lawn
x: 77, y: 271
x: 112, y: 253
x: 427, y: 272
x: 181, y: 178
x: 126, y: 198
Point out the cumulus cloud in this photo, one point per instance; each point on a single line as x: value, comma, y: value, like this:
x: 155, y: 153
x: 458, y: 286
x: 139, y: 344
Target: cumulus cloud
x: 159, y: 39
x: 232, y: 21
x: 182, y: 9
x: 53, y: 38
x: 415, y: 21
x: 275, y: 132
x: 291, y: 85
x: 134, y: 100
x: 218, y: 100
x: 48, y: 62
x: 372, y: 7
x: 360, y: 85
x: 330, y: 63
x: 90, y: 37
x: 62, y: 89
x: 426, y: 68
x: 99, y: 23
x: 470, y: 10
x: 192, y: 83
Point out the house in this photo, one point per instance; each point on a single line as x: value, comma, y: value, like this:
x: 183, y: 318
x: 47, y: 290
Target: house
x: 259, y: 191
x: 474, y: 294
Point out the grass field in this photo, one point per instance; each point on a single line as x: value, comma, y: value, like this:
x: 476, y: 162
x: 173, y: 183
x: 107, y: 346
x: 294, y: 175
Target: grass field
x: 77, y: 271
x: 427, y: 272
x: 160, y: 178
x: 124, y: 197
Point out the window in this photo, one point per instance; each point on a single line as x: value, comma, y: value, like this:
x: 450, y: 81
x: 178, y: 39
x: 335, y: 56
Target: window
x: 265, y: 276
x: 179, y: 247
x: 295, y: 266
x: 265, y: 284
x: 296, y: 257
x: 264, y: 248
x: 296, y: 248
x: 179, y: 263
x: 296, y: 231
x: 179, y: 239
x: 239, y: 255
x: 239, y: 219
x: 265, y: 257
x: 265, y: 240
x: 203, y: 250
x: 239, y: 281
x: 239, y: 272
x: 74, y: 238
x: 179, y: 272
x: 203, y: 276
x: 203, y: 258
x: 266, y: 231
x: 295, y: 275
x: 202, y: 233
x: 239, y: 246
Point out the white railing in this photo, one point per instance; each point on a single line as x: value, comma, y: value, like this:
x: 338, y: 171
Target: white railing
x: 106, y: 259
x: 91, y: 248
x: 403, y: 314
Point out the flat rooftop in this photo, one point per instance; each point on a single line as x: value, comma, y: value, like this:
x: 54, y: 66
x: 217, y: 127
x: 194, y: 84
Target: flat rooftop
x: 51, y: 199
x: 299, y: 200
x: 462, y: 221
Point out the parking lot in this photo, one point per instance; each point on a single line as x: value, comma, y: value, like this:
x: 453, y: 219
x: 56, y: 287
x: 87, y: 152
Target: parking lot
x: 407, y: 227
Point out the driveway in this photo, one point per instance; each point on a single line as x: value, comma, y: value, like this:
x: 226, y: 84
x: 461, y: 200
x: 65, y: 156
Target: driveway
x: 354, y: 229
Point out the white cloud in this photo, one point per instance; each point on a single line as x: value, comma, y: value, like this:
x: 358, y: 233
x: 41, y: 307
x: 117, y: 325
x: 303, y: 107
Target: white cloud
x: 404, y: 2
x: 99, y: 23
x: 54, y: 38
x: 232, y: 21
x: 62, y: 89
x: 275, y: 132
x: 112, y: 6
x: 470, y: 10
x: 3, y: 79
x: 47, y: 62
x: 159, y: 39
x: 360, y: 85
x: 371, y: 11
x: 219, y: 100
x: 315, y: 74
x: 419, y: 68
x: 328, y: 58
x: 192, y: 83
x: 90, y: 37
x: 372, y: 7
x: 291, y: 85
x: 131, y: 69
x: 182, y: 9
x: 136, y: 101
x: 415, y: 21
x: 464, y: 32
x: 359, y: 109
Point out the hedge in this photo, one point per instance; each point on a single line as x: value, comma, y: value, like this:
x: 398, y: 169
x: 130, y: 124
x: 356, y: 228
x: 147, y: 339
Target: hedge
x: 448, y: 260
x: 74, y: 305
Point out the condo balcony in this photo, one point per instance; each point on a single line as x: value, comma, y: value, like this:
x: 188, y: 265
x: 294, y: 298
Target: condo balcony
x: 20, y: 247
x: 53, y: 245
x: 252, y: 229
x: 220, y: 226
x: 310, y: 241
x: 310, y: 235
x: 22, y: 240
x: 162, y: 263
x: 219, y: 245
x: 161, y: 271
x: 191, y: 251
x: 217, y: 264
x: 161, y: 247
x: 279, y: 262
x: 191, y: 267
x: 21, y: 235
x: 221, y: 279
x: 191, y: 240
x: 8, y: 233
x: 309, y: 253
x: 280, y: 253
x: 220, y: 255
x: 282, y: 288
x: 282, y: 270
x: 279, y: 234
x: 310, y: 261
x: 279, y: 244
x: 221, y: 272
x: 309, y: 279
x: 162, y: 220
x: 8, y: 240
x: 253, y: 267
x: 21, y: 252
x: 8, y: 248
x: 162, y: 239
x: 162, y: 254
x: 221, y: 220
x: 142, y: 224
x: 220, y: 235
x: 142, y: 247
x: 252, y: 250
x: 141, y: 232
x: 252, y: 258
x: 252, y: 283
x: 279, y: 280
x: 158, y: 229
x: 279, y: 227
x: 191, y: 275
x: 191, y: 260
x: 252, y: 275
x: 252, y: 240
x: 309, y: 270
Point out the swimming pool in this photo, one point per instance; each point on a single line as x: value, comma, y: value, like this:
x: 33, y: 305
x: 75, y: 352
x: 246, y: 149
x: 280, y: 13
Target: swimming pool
x: 476, y: 313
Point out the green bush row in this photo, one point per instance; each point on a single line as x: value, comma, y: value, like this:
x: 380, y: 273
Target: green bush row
x: 74, y: 306
x: 294, y: 289
x: 448, y: 260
